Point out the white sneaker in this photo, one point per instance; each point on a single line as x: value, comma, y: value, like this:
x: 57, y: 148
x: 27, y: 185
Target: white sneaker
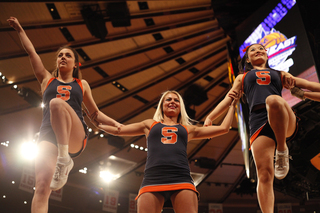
x: 60, y: 176
x: 281, y: 166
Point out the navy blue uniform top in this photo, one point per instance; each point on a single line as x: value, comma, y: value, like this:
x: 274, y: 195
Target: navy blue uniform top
x: 167, y: 146
x: 71, y: 92
x: 259, y: 84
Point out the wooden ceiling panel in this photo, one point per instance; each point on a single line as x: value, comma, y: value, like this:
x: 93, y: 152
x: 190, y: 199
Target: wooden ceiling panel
x: 15, y: 69
x: 162, y: 20
x: 169, y: 65
x: 90, y: 75
x: 187, y: 29
x: 163, y: 5
x: 141, y: 77
x: 105, y: 49
x: 137, y: 24
x: 195, y: 40
x: 143, y: 40
x: 80, y: 32
x: 11, y: 39
x: 148, y: 114
x: 123, y: 107
x: 183, y: 76
x: 154, y: 54
x: 27, y: 13
x: 105, y: 92
x: 115, y: 30
x: 125, y: 64
x: 46, y: 38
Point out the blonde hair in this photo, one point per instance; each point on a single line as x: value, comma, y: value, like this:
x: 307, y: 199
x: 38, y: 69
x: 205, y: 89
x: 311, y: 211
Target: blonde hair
x: 183, y: 117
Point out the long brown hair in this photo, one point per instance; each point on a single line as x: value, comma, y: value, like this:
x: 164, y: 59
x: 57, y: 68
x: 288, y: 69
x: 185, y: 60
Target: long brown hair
x: 76, y: 71
x: 243, y: 65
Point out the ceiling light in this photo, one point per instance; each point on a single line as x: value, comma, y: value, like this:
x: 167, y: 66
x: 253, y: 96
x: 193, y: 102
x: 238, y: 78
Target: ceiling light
x: 29, y: 150
x: 107, y: 176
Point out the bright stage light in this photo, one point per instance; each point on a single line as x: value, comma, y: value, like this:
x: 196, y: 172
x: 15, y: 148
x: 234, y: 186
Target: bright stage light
x: 107, y: 176
x: 29, y: 150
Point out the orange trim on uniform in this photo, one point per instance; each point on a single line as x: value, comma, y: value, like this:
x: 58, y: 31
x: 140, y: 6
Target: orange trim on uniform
x: 244, y: 74
x: 50, y: 80
x: 169, y: 187
x: 255, y: 135
x: 185, y: 128
x: 152, y: 125
x: 80, y: 84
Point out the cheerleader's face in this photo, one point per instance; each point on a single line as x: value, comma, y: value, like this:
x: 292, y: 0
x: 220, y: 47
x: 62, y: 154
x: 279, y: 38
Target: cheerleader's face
x: 66, y: 60
x: 257, y: 55
x: 171, y: 105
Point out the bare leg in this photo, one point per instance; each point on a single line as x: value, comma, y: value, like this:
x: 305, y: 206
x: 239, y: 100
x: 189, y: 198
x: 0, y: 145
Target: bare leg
x: 263, y: 152
x: 150, y: 203
x: 185, y: 201
x: 44, y: 168
x: 66, y: 125
x: 281, y: 119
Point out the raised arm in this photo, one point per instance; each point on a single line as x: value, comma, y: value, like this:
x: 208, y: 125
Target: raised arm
x: 135, y: 129
x: 95, y: 115
x: 213, y: 131
x: 225, y: 103
x: 39, y: 70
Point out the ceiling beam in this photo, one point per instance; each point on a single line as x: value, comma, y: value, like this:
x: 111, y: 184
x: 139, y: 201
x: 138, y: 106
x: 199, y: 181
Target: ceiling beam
x: 166, y: 75
x: 153, y: 46
x: 66, y: 23
x: 156, y: 62
x: 130, y: 34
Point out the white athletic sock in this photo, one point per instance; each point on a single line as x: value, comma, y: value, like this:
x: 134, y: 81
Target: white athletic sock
x: 63, y: 151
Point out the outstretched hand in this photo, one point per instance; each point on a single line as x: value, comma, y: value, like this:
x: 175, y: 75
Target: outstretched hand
x: 207, y: 122
x: 119, y: 125
x: 288, y: 82
x: 235, y: 97
x: 14, y: 23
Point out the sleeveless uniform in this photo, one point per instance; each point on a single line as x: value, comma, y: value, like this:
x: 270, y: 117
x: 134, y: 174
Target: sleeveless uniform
x: 258, y: 85
x: 167, y: 168
x: 72, y: 93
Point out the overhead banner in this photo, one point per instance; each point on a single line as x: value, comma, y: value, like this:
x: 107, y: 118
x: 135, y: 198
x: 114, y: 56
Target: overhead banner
x: 284, y: 208
x: 215, y: 208
x: 132, y: 203
x: 110, y: 203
